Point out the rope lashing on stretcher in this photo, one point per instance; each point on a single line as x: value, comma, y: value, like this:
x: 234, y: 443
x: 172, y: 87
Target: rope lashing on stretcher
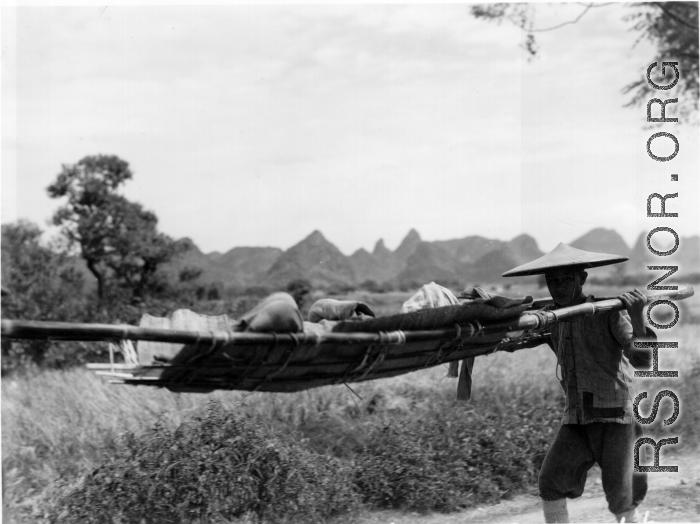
x: 392, y: 338
x: 543, y: 321
x: 440, y: 355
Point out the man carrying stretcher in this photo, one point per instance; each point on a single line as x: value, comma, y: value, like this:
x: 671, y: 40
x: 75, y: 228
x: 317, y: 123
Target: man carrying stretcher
x: 594, y: 355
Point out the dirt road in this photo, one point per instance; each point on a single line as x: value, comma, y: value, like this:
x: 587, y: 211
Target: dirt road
x: 672, y: 497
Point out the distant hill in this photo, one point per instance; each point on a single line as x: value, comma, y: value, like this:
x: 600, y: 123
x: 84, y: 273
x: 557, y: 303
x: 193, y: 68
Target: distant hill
x: 380, y: 250
x: 602, y: 240
x: 408, y: 245
x: 490, y: 266
x: 369, y: 266
x: 524, y: 248
x: 464, y: 261
x: 314, y: 259
x: 469, y: 260
x: 468, y: 249
x: 430, y: 261
x: 240, y: 266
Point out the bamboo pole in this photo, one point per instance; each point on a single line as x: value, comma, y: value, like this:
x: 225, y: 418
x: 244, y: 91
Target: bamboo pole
x: 38, y: 330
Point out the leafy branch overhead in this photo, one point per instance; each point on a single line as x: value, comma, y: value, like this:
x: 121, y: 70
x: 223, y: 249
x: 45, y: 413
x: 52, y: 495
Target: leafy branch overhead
x: 672, y: 27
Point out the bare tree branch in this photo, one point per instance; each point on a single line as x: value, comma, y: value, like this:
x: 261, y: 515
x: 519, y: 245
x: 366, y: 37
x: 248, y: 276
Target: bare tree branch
x: 588, y: 7
x: 593, y: 6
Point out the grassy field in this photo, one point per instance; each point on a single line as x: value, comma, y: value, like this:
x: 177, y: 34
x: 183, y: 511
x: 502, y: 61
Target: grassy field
x: 58, y: 427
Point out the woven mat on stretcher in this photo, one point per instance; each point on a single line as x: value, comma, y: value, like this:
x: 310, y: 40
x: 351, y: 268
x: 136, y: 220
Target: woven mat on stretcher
x: 325, y: 353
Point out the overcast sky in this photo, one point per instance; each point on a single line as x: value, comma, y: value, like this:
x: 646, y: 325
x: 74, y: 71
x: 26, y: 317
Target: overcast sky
x: 256, y: 125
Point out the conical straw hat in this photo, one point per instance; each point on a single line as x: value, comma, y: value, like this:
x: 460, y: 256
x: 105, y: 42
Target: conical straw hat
x: 564, y: 256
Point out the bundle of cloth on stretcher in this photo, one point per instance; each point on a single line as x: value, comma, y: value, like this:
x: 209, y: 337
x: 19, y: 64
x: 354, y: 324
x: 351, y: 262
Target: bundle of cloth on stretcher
x: 272, y: 348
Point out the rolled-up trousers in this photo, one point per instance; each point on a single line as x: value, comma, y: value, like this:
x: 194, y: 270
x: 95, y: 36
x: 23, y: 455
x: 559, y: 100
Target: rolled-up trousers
x: 578, y: 447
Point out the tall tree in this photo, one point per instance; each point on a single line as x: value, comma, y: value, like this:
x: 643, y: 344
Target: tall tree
x: 118, y: 239
x: 671, y: 26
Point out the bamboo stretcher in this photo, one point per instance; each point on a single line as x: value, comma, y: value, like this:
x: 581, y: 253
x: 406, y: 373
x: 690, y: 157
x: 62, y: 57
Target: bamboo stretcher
x: 285, y: 362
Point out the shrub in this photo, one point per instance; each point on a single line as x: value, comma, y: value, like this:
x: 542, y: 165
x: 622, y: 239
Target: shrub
x: 452, y: 458
x: 218, y: 464
x: 41, y: 284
